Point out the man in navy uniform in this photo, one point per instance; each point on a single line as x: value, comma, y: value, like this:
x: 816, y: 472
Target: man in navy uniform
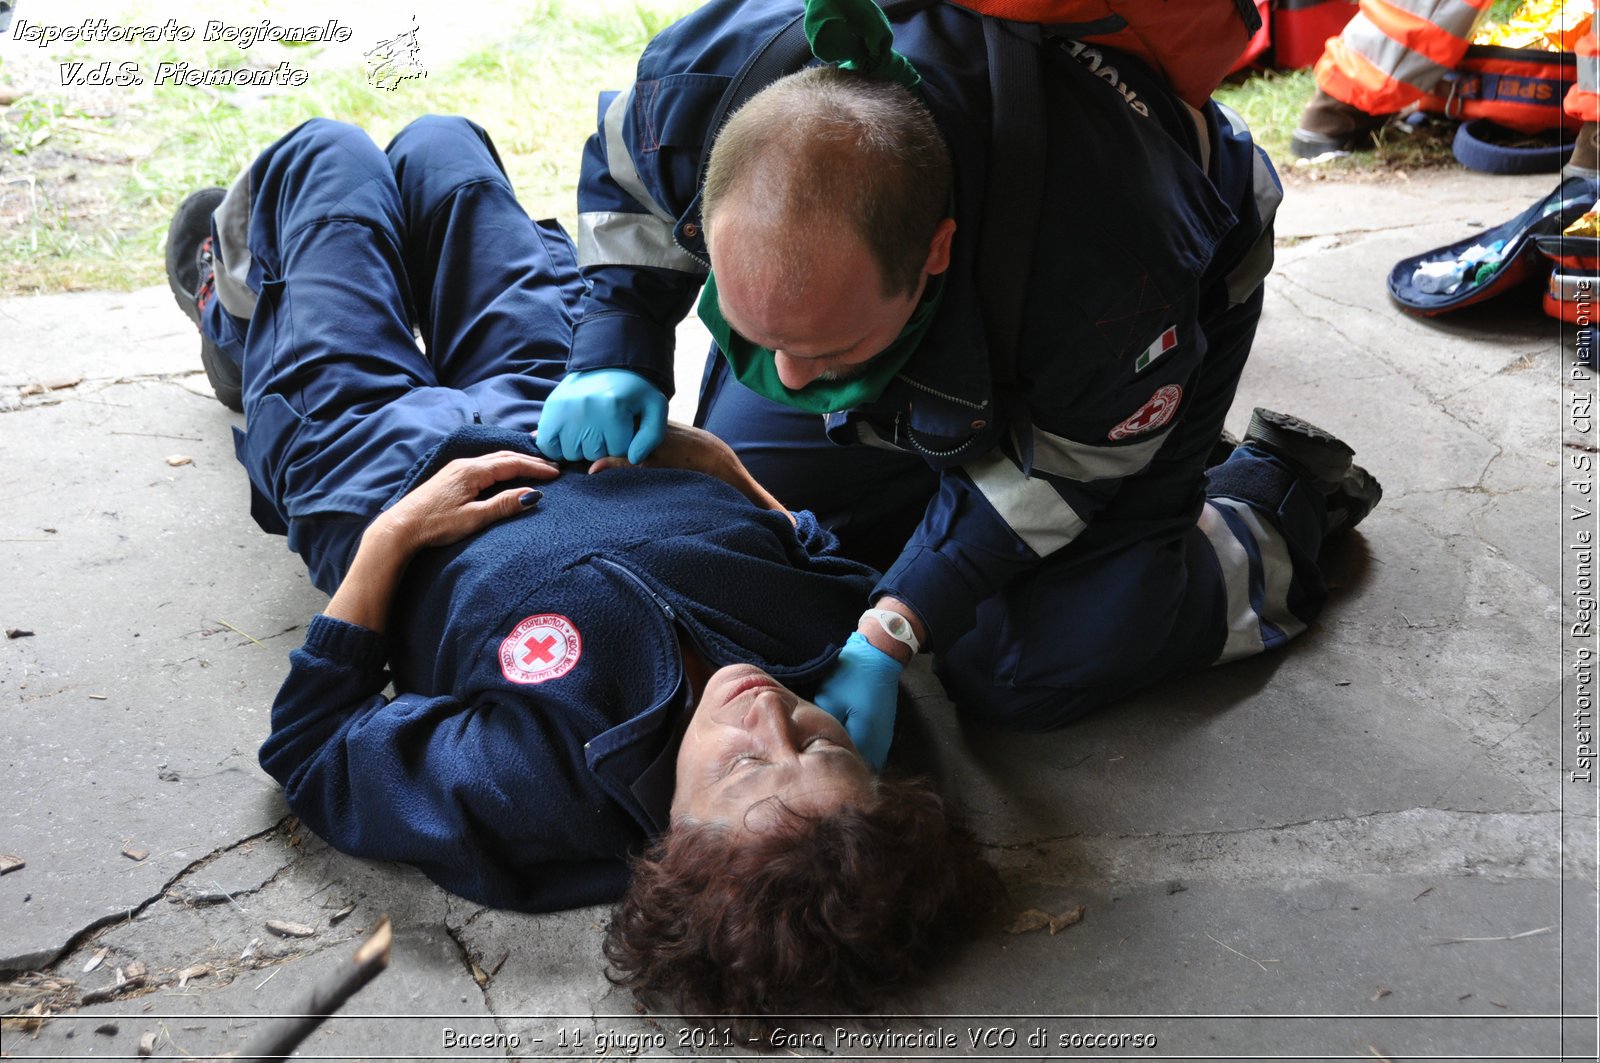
x: 1060, y: 518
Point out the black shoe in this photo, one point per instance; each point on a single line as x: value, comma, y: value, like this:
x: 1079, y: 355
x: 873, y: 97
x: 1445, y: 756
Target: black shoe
x: 1222, y: 449
x: 1319, y: 457
x: 191, y: 276
x: 1329, y: 124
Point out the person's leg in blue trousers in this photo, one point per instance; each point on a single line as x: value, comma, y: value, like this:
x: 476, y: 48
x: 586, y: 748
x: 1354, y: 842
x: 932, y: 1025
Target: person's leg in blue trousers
x: 349, y: 248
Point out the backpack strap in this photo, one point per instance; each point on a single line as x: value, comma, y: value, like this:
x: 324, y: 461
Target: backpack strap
x: 1013, y: 188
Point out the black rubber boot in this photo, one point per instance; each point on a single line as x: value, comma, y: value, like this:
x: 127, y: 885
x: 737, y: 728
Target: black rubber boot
x: 190, y: 275
x: 1322, y: 459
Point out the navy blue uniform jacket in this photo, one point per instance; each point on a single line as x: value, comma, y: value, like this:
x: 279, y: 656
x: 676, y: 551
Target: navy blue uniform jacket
x: 1144, y: 241
x: 530, y: 746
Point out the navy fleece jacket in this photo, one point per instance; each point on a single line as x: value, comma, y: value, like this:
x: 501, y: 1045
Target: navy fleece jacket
x: 530, y: 744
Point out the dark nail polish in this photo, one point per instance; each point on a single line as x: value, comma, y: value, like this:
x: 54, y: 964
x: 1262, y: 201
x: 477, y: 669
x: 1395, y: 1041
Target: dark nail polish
x: 530, y: 498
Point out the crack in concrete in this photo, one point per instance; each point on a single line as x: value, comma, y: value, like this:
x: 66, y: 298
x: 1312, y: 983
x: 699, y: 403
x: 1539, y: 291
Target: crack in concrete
x: 474, y: 966
x: 43, y: 960
x: 1341, y: 233
x: 1439, y: 402
x: 1335, y: 329
x: 1486, y: 752
x: 13, y: 401
x: 1474, y: 536
x: 1421, y: 842
x: 1265, y: 829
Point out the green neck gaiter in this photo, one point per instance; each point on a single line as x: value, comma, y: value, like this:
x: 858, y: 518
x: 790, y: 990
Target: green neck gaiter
x: 856, y: 35
x: 754, y: 366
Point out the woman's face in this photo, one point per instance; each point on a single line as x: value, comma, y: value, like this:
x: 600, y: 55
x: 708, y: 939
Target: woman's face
x: 753, y: 742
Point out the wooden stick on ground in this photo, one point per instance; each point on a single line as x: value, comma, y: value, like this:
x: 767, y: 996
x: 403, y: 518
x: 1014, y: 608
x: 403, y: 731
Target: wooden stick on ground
x: 285, y: 1034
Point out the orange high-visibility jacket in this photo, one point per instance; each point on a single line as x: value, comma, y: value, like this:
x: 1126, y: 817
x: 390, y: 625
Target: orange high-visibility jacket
x: 1193, y: 44
x: 1395, y: 52
x: 1583, y: 99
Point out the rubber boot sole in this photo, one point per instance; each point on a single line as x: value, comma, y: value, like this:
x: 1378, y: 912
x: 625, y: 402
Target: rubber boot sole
x: 190, y: 224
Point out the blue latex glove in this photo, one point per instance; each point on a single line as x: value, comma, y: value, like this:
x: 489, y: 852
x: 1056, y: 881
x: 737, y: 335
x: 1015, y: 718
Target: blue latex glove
x: 861, y: 693
x: 592, y: 415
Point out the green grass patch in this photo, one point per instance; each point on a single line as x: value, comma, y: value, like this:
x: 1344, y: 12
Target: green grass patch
x: 1270, y: 102
x: 86, y: 192
x: 86, y: 197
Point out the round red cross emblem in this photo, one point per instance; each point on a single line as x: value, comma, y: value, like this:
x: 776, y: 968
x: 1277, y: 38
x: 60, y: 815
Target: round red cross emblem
x: 540, y: 648
x: 1152, y: 415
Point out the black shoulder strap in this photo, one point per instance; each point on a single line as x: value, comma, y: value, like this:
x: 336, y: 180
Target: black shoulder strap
x: 784, y: 52
x: 1013, y: 188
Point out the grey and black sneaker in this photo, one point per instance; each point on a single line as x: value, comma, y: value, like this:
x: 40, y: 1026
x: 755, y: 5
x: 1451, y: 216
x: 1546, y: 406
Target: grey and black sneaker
x: 1321, y: 458
x: 191, y: 276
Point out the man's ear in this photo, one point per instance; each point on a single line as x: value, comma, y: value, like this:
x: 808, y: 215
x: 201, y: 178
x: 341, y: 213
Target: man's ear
x: 939, y: 248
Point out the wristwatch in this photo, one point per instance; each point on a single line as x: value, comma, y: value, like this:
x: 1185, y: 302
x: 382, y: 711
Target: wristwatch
x: 896, y: 627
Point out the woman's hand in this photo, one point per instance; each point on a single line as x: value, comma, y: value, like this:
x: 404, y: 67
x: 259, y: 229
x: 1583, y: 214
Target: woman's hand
x: 444, y: 510
x: 699, y: 451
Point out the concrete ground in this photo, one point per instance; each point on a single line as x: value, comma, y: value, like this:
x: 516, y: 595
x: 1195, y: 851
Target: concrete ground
x: 1368, y: 846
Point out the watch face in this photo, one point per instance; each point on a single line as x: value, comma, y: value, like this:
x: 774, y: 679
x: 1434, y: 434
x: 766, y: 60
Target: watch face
x: 898, y: 626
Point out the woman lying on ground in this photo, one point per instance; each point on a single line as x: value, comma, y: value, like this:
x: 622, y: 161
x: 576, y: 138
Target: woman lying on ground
x: 587, y: 667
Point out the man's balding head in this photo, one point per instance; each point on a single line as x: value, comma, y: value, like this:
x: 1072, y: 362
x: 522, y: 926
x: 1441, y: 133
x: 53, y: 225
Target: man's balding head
x: 824, y: 155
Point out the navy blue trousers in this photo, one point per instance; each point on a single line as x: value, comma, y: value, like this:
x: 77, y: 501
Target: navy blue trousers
x: 1185, y: 568
x: 356, y: 253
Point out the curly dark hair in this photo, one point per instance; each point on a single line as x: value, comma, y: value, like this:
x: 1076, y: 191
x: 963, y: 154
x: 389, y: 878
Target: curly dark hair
x: 811, y: 915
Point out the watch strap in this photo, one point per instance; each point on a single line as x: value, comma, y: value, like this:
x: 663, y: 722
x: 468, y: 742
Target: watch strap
x: 896, y: 627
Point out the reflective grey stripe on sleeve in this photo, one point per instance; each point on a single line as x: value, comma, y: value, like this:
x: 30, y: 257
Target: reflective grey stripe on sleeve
x: 621, y: 238
x: 1257, y: 262
x: 1277, y: 570
x: 1084, y: 462
x: 231, y: 253
x: 1588, y: 73
x: 619, y: 160
x: 1244, y: 627
x: 1391, y: 57
x: 1453, y: 16
x: 1267, y: 194
x: 614, y: 238
x: 1031, y: 508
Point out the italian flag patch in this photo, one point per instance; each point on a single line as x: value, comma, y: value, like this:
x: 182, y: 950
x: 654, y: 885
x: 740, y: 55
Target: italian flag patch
x: 1164, y: 343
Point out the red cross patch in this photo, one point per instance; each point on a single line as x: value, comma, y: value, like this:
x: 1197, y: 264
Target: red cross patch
x: 1160, y: 409
x: 540, y: 648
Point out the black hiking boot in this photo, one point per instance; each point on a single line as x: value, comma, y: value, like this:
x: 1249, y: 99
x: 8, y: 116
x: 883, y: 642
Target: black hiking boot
x: 191, y: 275
x: 1322, y: 459
x: 1328, y: 124
x: 1222, y: 449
